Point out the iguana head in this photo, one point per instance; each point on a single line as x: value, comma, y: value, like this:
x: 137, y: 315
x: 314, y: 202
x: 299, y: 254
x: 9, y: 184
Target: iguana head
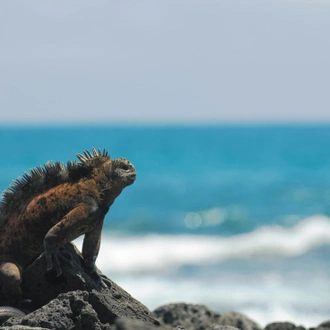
x: 119, y: 172
x: 123, y: 172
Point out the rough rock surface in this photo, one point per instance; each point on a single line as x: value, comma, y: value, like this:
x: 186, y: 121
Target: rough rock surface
x: 21, y: 327
x: 188, y: 316
x: 221, y: 327
x: 283, y: 326
x: 199, y: 317
x: 125, y: 324
x: 238, y: 320
x: 75, y: 300
x: 323, y: 326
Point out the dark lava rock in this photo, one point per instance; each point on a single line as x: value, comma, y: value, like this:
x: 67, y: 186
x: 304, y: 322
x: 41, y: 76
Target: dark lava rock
x: 75, y: 300
x: 125, y: 324
x: 64, y: 312
x: 323, y: 326
x: 199, y: 317
x: 239, y: 321
x: 280, y: 326
x: 188, y: 316
x: 21, y: 327
x: 221, y: 327
x: 283, y: 326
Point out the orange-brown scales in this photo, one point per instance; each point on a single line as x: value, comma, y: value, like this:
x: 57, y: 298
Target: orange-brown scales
x: 52, y: 205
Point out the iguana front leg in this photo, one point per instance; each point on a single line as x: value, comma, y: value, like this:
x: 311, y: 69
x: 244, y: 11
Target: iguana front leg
x: 91, y: 247
x: 74, y: 224
x: 90, y: 251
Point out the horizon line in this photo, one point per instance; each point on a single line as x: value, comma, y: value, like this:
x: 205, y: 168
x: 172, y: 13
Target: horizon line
x: 60, y: 124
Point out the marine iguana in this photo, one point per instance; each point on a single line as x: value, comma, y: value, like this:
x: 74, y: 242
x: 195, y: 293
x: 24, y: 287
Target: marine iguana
x: 51, y: 206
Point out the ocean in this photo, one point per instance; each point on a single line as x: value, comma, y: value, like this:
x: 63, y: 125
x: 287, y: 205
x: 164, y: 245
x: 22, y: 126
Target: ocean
x: 234, y: 217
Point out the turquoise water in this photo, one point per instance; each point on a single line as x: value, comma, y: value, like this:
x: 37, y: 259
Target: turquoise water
x: 237, y: 207
x: 253, y: 176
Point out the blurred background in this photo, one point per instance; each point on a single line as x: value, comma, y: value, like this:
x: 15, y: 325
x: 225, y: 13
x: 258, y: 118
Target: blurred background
x: 222, y: 106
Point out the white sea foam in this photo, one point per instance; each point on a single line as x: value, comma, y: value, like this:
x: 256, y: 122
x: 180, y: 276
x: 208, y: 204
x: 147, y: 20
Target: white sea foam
x: 158, y: 253
x: 146, y: 267
x: 264, y: 299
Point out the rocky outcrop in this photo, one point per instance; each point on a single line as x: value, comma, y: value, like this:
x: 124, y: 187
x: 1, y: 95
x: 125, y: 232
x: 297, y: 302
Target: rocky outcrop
x: 196, y: 317
x: 221, y: 327
x: 77, y: 301
x: 80, y: 310
x: 238, y: 320
x: 283, y: 326
x: 323, y: 326
x: 187, y: 316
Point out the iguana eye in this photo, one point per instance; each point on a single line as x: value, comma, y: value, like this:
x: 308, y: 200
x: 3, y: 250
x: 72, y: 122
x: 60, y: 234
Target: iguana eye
x: 124, y: 167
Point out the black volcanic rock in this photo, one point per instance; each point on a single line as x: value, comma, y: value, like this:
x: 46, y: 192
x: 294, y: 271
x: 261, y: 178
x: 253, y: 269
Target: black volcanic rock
x: 239, y: 321
x: 125, y: 324
x: 75, y: 300
x: 188, y: 316
x: 283, y: 326
x: 323, y: 326
x: 199, y: 317
x: 78, y: 310
x: 221, y: 327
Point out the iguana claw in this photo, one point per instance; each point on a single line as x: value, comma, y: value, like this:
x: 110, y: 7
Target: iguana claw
x: 94, y: 272
x: 52, y: 260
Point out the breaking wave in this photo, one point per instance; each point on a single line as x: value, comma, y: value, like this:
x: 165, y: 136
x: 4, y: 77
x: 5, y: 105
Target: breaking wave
x: 149, y: 267
x: 158, y: 253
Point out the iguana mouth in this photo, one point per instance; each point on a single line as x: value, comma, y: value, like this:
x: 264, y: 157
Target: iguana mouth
x: 132, y: 176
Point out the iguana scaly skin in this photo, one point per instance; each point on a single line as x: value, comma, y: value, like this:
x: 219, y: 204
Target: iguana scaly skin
x: 52, y: 205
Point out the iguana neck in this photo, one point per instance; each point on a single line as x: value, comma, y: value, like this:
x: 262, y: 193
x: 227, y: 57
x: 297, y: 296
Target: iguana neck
x: 110, y: 192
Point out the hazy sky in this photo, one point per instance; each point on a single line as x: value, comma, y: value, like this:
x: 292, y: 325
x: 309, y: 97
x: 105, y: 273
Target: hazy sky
x: 164, y: 60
